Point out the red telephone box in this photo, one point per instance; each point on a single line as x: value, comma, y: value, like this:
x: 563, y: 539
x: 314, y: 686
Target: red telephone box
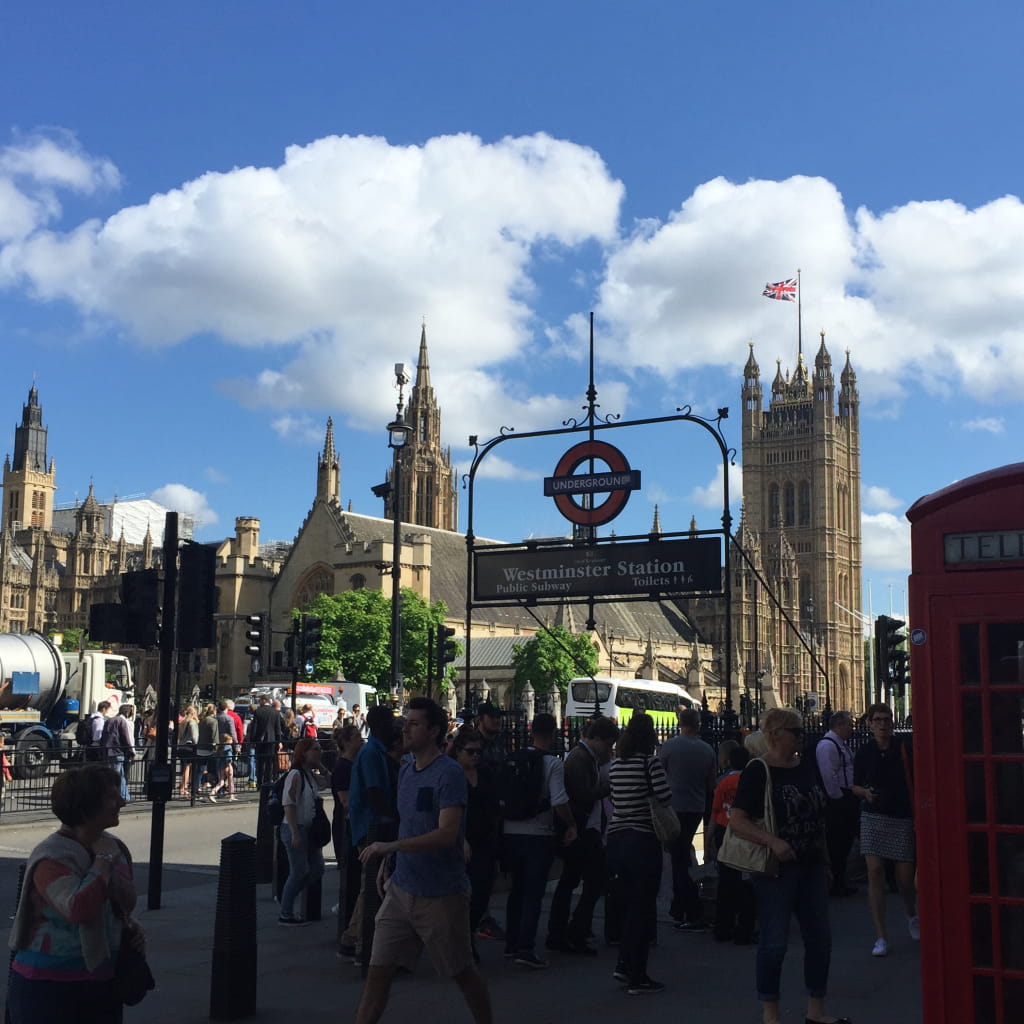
x: 967, y: 673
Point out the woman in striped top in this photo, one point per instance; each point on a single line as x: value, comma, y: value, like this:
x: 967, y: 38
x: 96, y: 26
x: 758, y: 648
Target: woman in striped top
x: 634, y: 851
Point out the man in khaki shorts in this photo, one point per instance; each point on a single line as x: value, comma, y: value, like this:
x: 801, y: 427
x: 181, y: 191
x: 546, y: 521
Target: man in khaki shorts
x: 427, y: 898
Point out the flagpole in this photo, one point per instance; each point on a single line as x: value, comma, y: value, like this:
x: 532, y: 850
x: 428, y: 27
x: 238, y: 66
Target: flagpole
x: 799, y: 318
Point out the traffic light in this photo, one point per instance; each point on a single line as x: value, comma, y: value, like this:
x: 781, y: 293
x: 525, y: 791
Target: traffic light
x: 140, y: 595
x: 310, y: 639
x: 446, y: 651
x: 107, y: 623
x: 254, y: 635
x: 197, y: 597
x: 888, y: 650
x: 899, y: 673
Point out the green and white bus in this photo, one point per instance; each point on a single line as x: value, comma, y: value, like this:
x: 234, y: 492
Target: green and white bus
x: 619, y: 698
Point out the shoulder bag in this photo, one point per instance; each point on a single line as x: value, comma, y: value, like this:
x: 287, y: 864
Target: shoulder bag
x: 663, y: 818
x: 744, y: 854
x: 132, y: 977
x: 320, y: 826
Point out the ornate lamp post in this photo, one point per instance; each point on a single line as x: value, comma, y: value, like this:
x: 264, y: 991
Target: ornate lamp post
x: 398, y: 437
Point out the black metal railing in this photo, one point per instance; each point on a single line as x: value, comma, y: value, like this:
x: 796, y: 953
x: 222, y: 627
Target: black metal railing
x: 28, y: 788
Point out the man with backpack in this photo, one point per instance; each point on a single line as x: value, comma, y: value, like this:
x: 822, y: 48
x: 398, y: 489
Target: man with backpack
x: 586, y: 783
x: 89, y: 732
x: 531, y: 795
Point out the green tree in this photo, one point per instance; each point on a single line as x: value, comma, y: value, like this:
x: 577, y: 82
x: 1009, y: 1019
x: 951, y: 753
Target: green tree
x: 356, y: 636
x: 73, y: 639
x: 551, y: 658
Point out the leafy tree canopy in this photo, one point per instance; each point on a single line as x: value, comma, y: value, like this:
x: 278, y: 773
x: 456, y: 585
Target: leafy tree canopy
x: 552, y: 657
x: 356, y: 636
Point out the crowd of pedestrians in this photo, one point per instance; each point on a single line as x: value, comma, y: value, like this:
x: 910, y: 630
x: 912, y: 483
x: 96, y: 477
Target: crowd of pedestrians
x: 425, y: 816
x: 593, y: 812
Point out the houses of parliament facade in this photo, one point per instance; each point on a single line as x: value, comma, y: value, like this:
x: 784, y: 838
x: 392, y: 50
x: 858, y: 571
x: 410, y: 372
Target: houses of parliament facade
x: 796, y: 585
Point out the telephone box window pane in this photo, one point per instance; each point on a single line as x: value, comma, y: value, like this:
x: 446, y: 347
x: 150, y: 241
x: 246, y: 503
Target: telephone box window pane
x: 977, y: 863
x: 1006, y: 652
x: 1011, y: 920
x: 981, y: 934
x: 985, y: 1000
x: 974, y: 785
x: 974, y: 731
x: 1009, y: 782
x: 1010, y: 864
x: 1007, y: 723
x: 1013, y: 999
x: 970, y: 655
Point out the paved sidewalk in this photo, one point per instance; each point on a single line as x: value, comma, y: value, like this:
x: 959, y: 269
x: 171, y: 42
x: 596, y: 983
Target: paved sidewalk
x: 708, y: 982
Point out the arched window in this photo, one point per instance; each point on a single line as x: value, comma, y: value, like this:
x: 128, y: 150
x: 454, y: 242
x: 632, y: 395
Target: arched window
x: 318, y: 581
x: 805, y: 503
x: 789, y: 505
x: 773, y: 505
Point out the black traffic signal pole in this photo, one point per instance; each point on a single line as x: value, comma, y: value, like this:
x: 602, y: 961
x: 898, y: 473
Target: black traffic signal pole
x: 160, y: 768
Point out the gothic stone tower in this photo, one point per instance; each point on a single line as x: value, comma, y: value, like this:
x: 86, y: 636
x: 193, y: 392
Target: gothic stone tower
x: 29, y: 484
x: 429, y: 496
x: 801, y: 494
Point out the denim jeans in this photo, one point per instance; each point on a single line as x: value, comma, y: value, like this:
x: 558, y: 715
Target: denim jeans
x: 305, y: 866
x: 800, y: 889
x: 634, y: 858
x: 528, y: 860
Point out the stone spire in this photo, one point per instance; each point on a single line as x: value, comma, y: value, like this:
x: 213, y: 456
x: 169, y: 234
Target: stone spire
x: 656, y: 525
x: 328, y: 470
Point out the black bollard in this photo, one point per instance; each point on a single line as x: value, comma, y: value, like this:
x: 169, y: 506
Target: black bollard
x: 265, y: 838
x: 233, y: 975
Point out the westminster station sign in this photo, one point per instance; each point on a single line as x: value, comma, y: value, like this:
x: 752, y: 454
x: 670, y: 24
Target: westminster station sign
x: 683, y: 566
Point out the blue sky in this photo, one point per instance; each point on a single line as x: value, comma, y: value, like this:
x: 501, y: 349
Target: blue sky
x: 222, y: 223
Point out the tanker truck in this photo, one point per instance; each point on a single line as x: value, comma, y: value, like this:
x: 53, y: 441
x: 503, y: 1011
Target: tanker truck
x: 45, y: 690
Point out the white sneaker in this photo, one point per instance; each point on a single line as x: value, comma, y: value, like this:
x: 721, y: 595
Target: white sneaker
x: 880, y: 948
x: 914, y: 927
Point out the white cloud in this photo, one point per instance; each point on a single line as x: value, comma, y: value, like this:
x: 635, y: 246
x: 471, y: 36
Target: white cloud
x: 886, y: 541
x: 494, y: 467
x: 298, y: 428
x: 180, y: 498
x: 880, y: 499
x: 215, y: 475
x: 33, y: 168
x: 710, y: 495
x: 929, y: 286
x: 339, y: 250
x: 991, y: 424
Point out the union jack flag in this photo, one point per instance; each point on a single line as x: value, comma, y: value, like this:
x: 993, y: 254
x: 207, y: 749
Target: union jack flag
x: 785, y: 290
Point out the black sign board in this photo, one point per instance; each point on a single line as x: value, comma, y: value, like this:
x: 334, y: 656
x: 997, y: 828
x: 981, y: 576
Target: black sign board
x: 621, y: 569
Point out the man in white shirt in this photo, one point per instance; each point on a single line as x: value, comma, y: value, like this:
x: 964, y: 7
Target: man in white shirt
x: 842, y: 813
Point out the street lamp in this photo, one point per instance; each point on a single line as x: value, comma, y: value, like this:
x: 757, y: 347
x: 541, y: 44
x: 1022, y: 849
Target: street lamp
x: 398, y: 437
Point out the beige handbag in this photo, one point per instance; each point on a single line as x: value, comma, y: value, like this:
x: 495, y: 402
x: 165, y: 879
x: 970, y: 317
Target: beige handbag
x: 744, y: 854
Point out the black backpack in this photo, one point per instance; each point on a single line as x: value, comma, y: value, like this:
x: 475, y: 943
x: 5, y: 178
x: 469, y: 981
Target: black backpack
x: 83, y: 732
x: 520, y: 785
x: 275, y: 801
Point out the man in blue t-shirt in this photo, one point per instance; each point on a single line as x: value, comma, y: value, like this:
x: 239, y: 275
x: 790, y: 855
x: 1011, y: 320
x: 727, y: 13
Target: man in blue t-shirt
x: 427, y: 899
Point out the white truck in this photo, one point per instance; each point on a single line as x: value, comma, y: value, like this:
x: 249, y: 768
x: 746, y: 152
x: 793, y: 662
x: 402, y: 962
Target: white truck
x: 45, y: 690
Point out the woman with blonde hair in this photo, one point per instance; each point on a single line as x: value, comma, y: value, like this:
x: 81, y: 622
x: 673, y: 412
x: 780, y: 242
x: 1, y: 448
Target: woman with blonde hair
x: 798, y: 842
x: 188, y: 738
